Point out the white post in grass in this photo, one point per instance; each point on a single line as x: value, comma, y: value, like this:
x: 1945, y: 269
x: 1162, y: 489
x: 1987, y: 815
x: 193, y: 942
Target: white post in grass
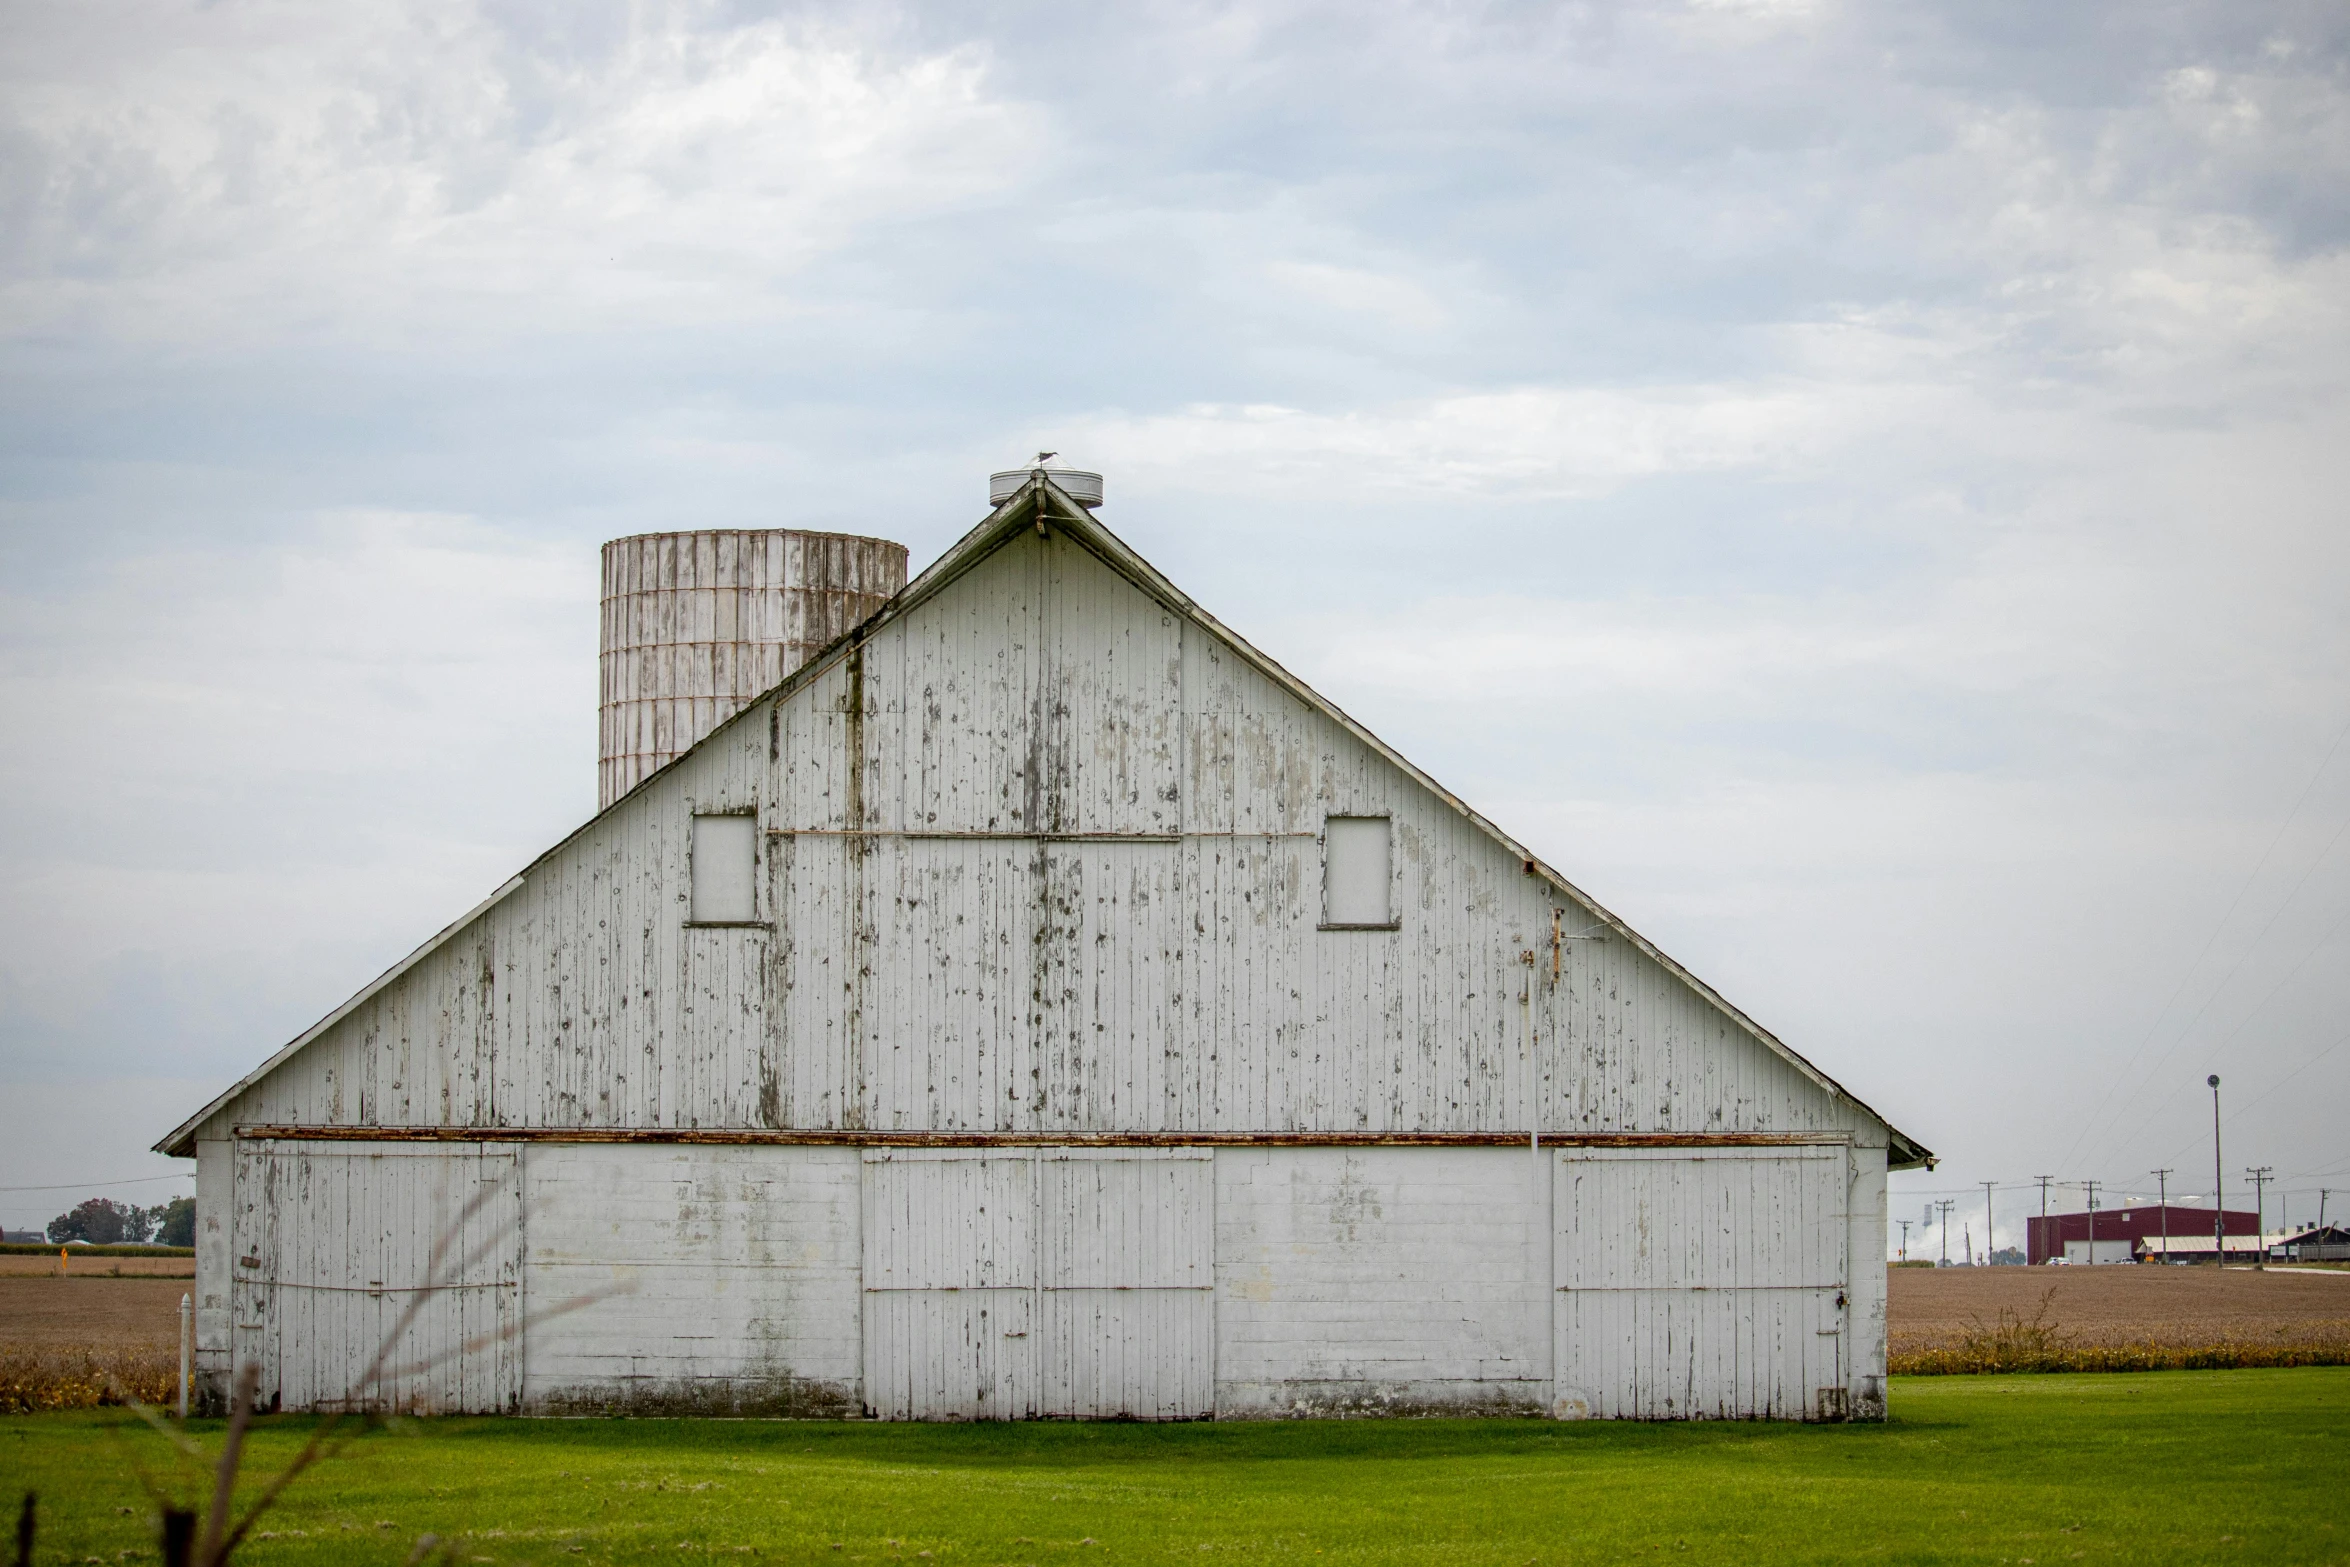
x: 187, y: 1350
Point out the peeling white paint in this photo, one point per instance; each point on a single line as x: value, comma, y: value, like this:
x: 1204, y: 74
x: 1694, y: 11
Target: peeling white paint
x: 1040, y: 855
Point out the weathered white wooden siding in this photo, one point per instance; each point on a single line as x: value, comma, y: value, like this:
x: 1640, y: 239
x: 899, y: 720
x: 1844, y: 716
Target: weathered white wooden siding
x: 950, y: 1285
x: 1126, y: 1268
x: 1702, y: 1283
x: 1381, y: 1281
x: 1864, y: 1246
x: 1155, y: 1283
x: 1041, y: 856
x: 336, y: 1244
x: 216, y: 1210
x: 1080, y: 892
x: 1072, y: 1282
x: 715, y: 1280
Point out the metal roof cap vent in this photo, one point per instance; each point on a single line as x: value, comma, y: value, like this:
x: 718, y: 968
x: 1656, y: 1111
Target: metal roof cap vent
x: 1082, y: 487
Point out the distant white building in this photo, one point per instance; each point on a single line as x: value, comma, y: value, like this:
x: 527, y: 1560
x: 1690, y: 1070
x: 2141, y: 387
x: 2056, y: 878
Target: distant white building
x: 2308, y: 1243
x: 1035, y: 1003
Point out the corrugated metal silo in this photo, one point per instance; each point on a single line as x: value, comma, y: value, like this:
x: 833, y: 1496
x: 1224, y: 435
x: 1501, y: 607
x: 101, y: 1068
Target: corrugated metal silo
x: 698, y: 624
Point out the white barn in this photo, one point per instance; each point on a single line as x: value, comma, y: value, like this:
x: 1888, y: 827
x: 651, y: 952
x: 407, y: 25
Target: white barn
x: 1041, y: 1004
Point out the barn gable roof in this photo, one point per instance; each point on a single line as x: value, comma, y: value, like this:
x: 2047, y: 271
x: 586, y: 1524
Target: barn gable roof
x: 1042, y: 504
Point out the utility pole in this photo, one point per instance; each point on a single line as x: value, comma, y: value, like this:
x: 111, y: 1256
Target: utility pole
x: 1904, y: 1223
x: 2092, y: 1224
x: 2260, y: 1174
x: 2043, y: 1180
x: 2163, y: 1178
x: 2219, y: 1207
x: 2321, y: 1207
x: 1986, y: 1185
x: 1945, y: 1205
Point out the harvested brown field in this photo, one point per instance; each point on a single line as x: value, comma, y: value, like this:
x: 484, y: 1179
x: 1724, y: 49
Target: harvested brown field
x: 2114, y: 1319
x: 125, y: 1312
x: 2120, y: 1305
x: 88, y: 1338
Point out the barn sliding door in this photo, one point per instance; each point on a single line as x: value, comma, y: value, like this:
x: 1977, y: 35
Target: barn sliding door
x: 410, y: 1252
x: 1700, y: 1283
x: 950, y: 1285
x: 1127, y: 1270
x: 1006, y: 1284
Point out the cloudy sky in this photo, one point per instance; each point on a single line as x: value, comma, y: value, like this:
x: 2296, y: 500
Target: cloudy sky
x: 1860, y: 487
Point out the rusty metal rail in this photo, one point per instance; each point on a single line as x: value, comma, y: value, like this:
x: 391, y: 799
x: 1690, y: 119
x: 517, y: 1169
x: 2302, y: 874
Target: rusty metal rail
x: 824, y: 1138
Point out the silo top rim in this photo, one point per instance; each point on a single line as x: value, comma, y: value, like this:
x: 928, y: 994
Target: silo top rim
x: 805, y: 533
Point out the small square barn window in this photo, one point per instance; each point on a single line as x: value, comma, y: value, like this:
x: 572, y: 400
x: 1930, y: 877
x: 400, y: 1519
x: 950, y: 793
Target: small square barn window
x: 1357, y: 873
x: 725, y: 851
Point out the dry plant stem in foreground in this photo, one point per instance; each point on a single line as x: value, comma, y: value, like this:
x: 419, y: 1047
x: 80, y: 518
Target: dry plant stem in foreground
x: 220, y: 1537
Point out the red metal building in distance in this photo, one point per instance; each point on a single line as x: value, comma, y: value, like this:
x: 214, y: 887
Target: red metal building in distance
x: 2120, y: 1229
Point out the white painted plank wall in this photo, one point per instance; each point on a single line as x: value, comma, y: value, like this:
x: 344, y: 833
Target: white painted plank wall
x: 950, y: 1285
x: 1126, y: 1263
x: 1165, y: 1284
x: 1706, y: 1284
x: 336, y: 1244
x: 1380, y: 1280
x: 718, y: 1280
x: 1075, y: 1283
x: 216, y: 1209
x: 1026, y: 984
x: 1864, y: 1362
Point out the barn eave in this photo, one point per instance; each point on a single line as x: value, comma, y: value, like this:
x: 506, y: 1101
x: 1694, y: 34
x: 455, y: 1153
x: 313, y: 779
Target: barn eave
x: 180, y: 1142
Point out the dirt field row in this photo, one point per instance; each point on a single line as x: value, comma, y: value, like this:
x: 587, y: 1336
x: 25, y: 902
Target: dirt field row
x: 119, y: 1312
x: 1926, y: 1307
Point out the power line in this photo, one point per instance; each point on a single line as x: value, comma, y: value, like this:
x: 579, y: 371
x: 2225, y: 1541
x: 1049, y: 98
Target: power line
x: 2155, y: 1073
x: 136, y: 1180
x: 2230, y: 1037
x: 2265, y: 1093
x: 2188, y: 973
x: 2315, y: 948
x: 2289, y: 1076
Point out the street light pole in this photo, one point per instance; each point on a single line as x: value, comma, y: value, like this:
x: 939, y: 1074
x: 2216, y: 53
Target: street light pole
x: 2219, y: 1207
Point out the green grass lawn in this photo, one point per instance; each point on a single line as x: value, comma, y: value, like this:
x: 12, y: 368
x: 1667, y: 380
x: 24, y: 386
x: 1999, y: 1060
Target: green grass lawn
x: 2208, y: 1466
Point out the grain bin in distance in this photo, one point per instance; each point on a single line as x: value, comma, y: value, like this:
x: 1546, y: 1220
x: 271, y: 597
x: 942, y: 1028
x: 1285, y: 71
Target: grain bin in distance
x: 698, y: 624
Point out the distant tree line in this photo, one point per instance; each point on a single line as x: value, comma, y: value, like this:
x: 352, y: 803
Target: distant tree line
x: 102, y: 1221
